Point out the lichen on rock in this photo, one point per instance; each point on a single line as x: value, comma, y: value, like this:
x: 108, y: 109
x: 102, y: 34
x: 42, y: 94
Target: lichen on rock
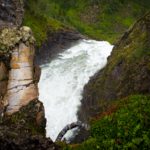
x: 10, y: 37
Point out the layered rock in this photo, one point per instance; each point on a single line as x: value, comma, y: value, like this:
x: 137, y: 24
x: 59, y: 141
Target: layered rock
x: 21, y: 86
x: 22, y: 118
x: 18, y: 44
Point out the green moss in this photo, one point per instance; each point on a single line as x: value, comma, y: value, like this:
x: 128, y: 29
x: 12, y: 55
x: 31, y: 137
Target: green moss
x: 41, y: 26
x: 125, y: 128
x: 37, y: 25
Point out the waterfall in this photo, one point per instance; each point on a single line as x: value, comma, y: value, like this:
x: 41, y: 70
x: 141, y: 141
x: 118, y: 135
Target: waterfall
x: 63, y: 79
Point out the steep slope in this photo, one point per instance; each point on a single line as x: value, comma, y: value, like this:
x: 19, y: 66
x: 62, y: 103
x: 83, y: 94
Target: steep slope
x: 127, y: 71
x: 98, y: 19
x: 119, y: 116
x: 125, y: 125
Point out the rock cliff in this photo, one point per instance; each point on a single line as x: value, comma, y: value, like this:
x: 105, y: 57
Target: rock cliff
x: 22, y: 119
x: 21, y: 87
x: 127, y: 71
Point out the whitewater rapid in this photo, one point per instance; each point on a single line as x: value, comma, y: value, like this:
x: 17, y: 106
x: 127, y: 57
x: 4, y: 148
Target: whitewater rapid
x: 63, y: 79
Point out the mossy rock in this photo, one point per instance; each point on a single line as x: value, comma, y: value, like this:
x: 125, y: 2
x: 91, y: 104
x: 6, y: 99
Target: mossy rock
x: 10, y: 37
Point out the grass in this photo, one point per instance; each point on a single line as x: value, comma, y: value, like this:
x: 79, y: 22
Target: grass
x: 126, y: 127
x: 41, y: 25
x: 101, y: 20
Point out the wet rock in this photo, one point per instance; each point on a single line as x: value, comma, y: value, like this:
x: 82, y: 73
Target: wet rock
x: 55, y: 44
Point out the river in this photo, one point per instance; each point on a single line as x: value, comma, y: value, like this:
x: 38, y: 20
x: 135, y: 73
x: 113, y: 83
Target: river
x: 63, y: 79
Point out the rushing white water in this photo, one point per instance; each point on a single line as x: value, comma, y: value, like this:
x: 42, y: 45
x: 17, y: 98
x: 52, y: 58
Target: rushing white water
x: 63, y: 79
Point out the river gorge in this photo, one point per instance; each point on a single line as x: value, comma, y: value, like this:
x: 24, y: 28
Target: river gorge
x: 63, y: 79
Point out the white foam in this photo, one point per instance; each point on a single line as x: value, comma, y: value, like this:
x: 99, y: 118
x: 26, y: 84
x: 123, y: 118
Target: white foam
x: 63, y: 79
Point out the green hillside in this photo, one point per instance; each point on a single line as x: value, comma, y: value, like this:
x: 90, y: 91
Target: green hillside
x: 98, y: 19
x: 125, y: 125
x: 123, y: 121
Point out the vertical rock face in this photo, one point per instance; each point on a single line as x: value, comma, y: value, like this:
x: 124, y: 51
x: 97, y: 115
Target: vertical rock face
x: 11, y: 13
x: 21, y: 87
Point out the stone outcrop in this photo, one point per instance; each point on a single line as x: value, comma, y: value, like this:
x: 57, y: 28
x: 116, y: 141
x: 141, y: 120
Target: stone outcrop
x: 11, y: 13
x: 22, y: 118
x: 68, y: 127
x: 21, y: 86
x: 10, y: 37
x: 25, y: 129
x: 3, y: 83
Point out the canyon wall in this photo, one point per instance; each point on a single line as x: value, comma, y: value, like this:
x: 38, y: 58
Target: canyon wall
x: 22, y: 118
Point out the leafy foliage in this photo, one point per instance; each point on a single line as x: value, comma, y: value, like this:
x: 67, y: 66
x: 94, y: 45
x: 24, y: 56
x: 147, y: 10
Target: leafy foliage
x: 127, y: 128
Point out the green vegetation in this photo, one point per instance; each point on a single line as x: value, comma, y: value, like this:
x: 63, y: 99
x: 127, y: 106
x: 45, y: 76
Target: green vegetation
x: 40, y: 24
x: 127, y: 70
x: 25, y: 120
x: 136, y: 46
x: 98, y: 19
x: 125, y: 125
x: 122, y: 124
